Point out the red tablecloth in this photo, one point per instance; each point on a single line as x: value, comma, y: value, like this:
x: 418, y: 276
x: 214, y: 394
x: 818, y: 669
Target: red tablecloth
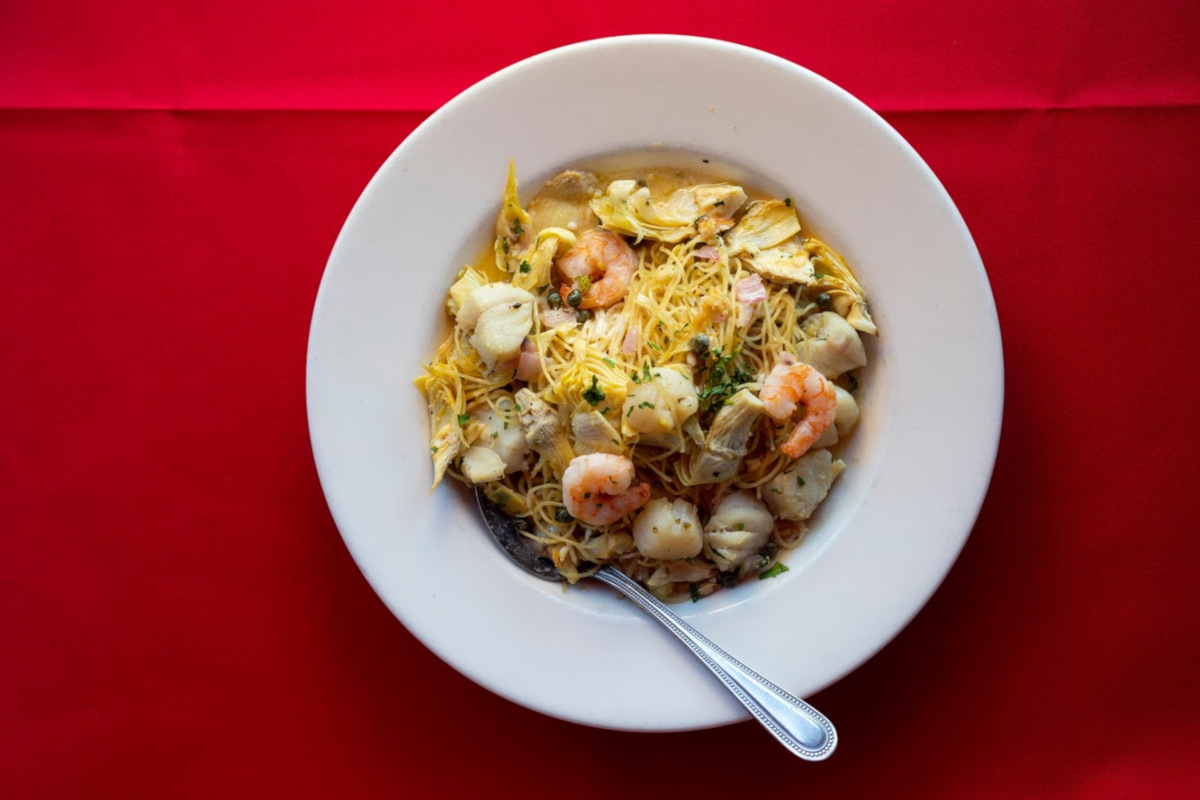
x: 178, y: 617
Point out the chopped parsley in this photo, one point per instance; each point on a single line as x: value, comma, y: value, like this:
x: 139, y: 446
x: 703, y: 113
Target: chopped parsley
x: 723, y: 378
x: 504, y: 244
x: 525, y: 267
x: 516, y: 227
x: 694, y: 591
x: 777, y: 569
x: 787, y: 201
x: 645, y: 404
x: 594, y: 394
x: 741, y: 526
x: 463, y: 419
x: 799, y: 481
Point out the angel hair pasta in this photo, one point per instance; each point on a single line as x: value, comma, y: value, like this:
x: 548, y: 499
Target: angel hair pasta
x: 652, y: 368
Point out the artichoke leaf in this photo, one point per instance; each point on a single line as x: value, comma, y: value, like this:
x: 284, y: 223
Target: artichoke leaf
x: 445, y: 445
x: 513, y: 227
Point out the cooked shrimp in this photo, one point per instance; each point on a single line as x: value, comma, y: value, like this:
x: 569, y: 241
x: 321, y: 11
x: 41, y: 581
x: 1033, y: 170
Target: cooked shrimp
x: 596, y: 489
x: 789, y: 384
x: 608, y: 263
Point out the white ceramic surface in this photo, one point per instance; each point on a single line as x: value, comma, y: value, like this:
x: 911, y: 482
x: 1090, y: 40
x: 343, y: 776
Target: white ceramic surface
x: 919, y: 464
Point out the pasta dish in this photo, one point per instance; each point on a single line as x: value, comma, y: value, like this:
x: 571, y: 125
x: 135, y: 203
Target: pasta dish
x: 651, y: 367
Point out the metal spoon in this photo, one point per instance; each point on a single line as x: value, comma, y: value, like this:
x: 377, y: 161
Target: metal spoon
x: 797, y: 725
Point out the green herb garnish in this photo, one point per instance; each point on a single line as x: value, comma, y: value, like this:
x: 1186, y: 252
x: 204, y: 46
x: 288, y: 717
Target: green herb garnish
x: 694, y: 591
x: 525, y: 266
x: 778, y: 569
x: 594, y: 394
x: 463, y: 419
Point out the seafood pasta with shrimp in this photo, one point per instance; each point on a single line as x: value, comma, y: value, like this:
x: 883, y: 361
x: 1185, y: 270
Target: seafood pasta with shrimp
x: 655, y: 369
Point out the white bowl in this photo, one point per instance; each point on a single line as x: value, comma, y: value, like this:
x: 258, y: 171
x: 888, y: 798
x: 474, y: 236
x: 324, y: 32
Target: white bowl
x: 918, y: 465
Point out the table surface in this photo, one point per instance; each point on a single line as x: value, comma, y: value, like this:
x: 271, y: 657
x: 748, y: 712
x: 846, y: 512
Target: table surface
x: 178, y: 614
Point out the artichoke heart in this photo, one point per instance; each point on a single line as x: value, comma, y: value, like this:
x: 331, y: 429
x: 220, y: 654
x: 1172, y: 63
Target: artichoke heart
x: 469, y: 279
x: 594, y: 434
x: 563, y: 202
x: 765, y: 225
x: 722, y: 454
x: 533, y: 264
x: 834, y: 278
x: 703, y: 210
x: 544, y: 432
x: 767, y: 239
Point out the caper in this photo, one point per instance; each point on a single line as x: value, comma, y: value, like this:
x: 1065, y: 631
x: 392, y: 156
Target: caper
x: 824, y: 301
x: 700, y: 345
x: 575, y: 298
x: 582, y: 315
x: 562, y: 515
x: 554, y: 299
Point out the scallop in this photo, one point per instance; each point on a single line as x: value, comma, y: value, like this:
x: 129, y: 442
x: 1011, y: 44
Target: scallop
x: 833, y: 346
x: 668, y: 530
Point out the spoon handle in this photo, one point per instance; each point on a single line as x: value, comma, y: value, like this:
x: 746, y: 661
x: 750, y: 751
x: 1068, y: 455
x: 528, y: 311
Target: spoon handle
x: 797, y: 725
